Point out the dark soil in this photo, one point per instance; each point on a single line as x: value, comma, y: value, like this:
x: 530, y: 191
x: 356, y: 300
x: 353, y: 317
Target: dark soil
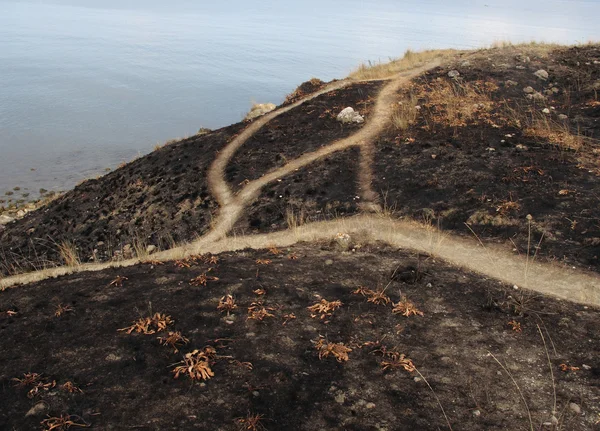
x: 128, y: 383
x: 305, y: 129
x: 322, y: 191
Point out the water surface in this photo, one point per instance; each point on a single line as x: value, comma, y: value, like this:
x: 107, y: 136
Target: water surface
x: 86, y: 85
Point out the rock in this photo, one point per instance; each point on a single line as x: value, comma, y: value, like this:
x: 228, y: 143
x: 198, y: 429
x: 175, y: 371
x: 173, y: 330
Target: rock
x: 150, y: 249
x: 522, y: 147
x: 476, y: 413
x: 111, y: 357
x: 548, y: 93
x: 519, y: 67
x: 343, y: 241
x: 37, y: 410
x: 528, y: 90
x: 586, y: 367
x: 563, y: 117
x: 4, y: 219
x: 542, y: 74
x: 349, y: 115
x: 329, y: 262
x: 370, y: 405
x: 259, y: 109
x: 522, y: 58
x: 340, y: 398
x: 538, y: 96
x: 575, y: 408
x: 511, y: 83
x: 546, y: 111
x: 465, y: 63
x: 555, y: 90
x: 454, y: 74
x: 203, y: 131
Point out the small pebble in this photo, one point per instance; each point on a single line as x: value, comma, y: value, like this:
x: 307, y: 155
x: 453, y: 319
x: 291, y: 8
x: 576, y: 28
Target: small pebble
x: 575, y: 408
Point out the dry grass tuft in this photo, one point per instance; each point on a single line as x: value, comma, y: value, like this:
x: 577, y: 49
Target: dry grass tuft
x: 196, y: 364
x: 263, y: 261
x: 68, y: 253
x: 406, y: 308
x: 174, y: 339
x: 338, y: 350
x: 35, y: 382
x: 324, y: 307
x: 62, y: 423
x: 149, y: 325
x: 226, y: 304
x: 410, y: 60
x: 405, y: 113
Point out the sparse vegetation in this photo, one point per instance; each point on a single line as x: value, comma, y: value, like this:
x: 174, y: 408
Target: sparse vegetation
x: 150, y: 325
x: 197, y: 364
x: 62, y: 423
x: 35, y: 382
x: 338, y: 350
x: 324, y: 308
x: 174, y: 340
x: 406, y: 308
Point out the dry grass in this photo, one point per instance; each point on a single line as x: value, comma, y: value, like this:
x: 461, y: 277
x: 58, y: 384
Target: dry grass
x: 410, y: 60
x: 197, y: 364
x: 375, y: 296
x: 62, y: 423
x: 202, y: 279
x: 324, y: 307
x: 149, y: 325
x: 405, y: 113
x: 174, y: 339
x: 406, y: 308
x: 338, y: 350
x: 68, y: 253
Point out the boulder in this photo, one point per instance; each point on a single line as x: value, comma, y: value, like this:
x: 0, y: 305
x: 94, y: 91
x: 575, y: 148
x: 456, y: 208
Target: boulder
x: 349, y: 115
x: 542, y: 74
x: 259, y: 109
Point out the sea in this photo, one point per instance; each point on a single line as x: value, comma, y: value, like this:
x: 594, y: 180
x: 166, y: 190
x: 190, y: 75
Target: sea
x: 86, y: 85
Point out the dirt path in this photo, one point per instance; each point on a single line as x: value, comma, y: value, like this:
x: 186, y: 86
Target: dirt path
x: 498, y: 263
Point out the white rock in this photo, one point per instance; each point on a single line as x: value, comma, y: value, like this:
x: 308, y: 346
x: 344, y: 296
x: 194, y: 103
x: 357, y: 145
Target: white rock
x: 466, y: 63
x: 562, y: 117
x: 528, y: 90
x: 521, y: 147
x: 259, y: 109
x: 519, y: 67
x: 542, y: 74
x: 454, y: 74
x: 37, y: 410
x: 349, y: 115
x: 546, y: 111
x: 511, y: 83
x: 575, y: 408
x: 538, y: 96
x: 150, y: 249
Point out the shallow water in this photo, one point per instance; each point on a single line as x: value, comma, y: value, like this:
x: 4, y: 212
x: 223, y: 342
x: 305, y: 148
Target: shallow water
x: 84, y: 88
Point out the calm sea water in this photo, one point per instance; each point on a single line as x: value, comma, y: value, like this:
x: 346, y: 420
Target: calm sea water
x: 88, y: 84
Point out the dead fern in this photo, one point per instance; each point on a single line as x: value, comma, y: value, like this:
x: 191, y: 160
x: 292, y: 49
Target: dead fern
x: 174, y: 339
x: 149, y: 325
x: 338, y: 350
x: 324, y: 308
x: 62, y: 423
x: 202, y: 279
x: 197, y: 364
x: 394, y: 360
x: 226, y: 304
x: 118, y: 281
x: 252, y: 422
x: 61, y: 310
x: 35, y: 382
x: 71, y: 388
x: 406, y: 308
x: 257, y: 311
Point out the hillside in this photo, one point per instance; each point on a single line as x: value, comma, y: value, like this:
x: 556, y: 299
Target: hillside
x: 434, y: 266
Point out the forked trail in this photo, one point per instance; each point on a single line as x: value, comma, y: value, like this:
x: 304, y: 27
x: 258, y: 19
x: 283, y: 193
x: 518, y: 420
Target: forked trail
x: 492, y: 261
